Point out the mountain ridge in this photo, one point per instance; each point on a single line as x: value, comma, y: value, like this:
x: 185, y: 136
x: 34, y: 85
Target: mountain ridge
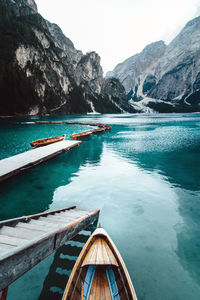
x: 43, y: 73
x: 173, y: 78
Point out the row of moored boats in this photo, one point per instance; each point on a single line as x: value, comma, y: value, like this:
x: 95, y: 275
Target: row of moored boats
x: 75, y: 136
x: 99, y: 272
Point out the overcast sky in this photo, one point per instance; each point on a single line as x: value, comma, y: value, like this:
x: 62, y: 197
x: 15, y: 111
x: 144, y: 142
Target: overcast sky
x: 118, y: 29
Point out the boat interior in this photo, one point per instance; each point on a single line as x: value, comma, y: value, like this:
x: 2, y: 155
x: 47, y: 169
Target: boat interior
x: 99, y: 275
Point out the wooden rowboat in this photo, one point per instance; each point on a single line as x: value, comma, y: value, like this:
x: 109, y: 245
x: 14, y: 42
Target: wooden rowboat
x: 47, y: 141
x: 98, y: 130
x: 70, y: 123
x: 81, y: 135
x: 99, y: 272
x: 42, y: 122
x: 56, y: 122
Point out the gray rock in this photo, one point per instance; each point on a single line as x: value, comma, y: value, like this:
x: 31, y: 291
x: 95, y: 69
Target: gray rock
x: 22, y: 7
x: 177, y: 72
x: 41, y: 70
x: 169, y: 74
x: 132, y: 71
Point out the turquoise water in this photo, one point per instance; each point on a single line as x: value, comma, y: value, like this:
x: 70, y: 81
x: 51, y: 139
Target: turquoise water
x: 143, y: 175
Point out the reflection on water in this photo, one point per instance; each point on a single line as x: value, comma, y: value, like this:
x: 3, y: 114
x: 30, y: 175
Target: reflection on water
x: 60, y: 270
x: 35, y: 188
x: 144, y: 176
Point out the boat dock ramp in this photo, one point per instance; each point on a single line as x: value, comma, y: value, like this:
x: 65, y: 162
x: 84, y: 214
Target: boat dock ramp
x: 16, y: 164
x: 25, y: 241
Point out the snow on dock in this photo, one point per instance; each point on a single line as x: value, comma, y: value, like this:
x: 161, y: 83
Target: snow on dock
x: 16, y: 164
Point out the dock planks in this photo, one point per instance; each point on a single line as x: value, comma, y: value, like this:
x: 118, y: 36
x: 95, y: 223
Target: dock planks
x: 25, y: 241
x: 16, y: 164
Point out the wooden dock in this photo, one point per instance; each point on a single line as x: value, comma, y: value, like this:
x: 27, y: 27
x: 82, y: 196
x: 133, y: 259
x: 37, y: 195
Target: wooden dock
x: 25, y: 241
x: 16, y: 164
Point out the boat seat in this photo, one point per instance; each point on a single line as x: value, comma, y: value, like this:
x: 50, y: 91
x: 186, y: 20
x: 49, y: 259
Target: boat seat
x: 88, y: 282
x: 112, y: 284
x: 100, y: 288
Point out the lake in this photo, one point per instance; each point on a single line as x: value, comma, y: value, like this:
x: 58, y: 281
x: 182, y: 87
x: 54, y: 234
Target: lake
x: 144, y: 176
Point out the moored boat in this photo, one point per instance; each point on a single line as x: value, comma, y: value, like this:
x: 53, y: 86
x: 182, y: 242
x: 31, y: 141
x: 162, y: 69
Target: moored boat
x: 47, y: 141
x: 100, y: 125
x: 98, y: 130
x: 56, y: 122
x: 81, y: 135
x: 99, y: 272
x: 42, y: 122
x: 70, y: 123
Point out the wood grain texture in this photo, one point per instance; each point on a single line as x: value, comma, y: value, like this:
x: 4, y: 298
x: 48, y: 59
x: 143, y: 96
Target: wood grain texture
x: 12, y: 241
x: 97, y: 251
x: 5, y: 247
x: 27, y: 253
x: 32, y: 226
x: 3, y: 294
x: 99, y: 254
x: 21, y: 233
x: 16, y: 164
x: 100, y: 288
x: 14, y: 221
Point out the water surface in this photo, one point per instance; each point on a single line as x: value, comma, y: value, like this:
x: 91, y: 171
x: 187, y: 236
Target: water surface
x: 143, y: 175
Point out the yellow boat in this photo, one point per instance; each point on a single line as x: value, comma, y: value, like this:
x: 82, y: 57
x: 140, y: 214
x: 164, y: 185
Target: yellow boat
x: 99, y: 272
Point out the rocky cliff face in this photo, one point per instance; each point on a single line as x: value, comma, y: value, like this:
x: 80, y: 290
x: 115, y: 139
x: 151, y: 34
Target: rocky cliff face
x: 170, y: 81
x: 178, y: 71
x: 132, y: 71
x: 42, y: 72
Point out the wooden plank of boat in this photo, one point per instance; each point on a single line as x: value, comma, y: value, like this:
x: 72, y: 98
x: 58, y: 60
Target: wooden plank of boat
x: 92, y: 124
x: 99, y: 272
x: 100, y: 125
x: 42, y: 122
x: 3, y: 294
x: 98, y: 130
x: 81, y: 135
x: 47, y: 141
x: 87, y: 123
x: 56, y: 122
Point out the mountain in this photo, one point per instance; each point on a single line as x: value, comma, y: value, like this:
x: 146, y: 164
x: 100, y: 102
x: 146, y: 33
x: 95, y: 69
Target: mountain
x: 132, y: 70
x: 166, y: 78
x: 41, y: 72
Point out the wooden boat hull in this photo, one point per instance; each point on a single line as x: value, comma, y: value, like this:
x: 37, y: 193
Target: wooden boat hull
x: 42, y: 122
x: 81, y: 135
x: 98, y: 130
x: 47, y: 141
x: 108, y: 128
x: 99, y: 272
